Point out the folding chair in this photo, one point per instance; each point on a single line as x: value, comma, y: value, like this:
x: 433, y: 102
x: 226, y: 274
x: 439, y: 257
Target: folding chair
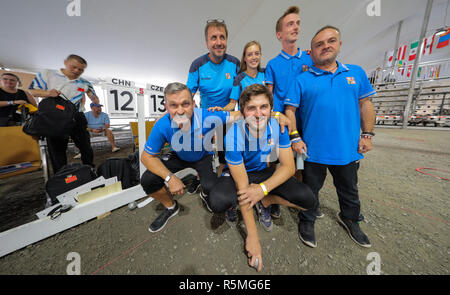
x: 21, y: 153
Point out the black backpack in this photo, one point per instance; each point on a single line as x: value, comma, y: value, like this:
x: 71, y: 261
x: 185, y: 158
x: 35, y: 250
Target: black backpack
x: 67, y: 178
x: 55, y: 117
x: 121, y: 168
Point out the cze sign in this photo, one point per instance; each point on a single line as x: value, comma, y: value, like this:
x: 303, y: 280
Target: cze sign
x: 156, y: 102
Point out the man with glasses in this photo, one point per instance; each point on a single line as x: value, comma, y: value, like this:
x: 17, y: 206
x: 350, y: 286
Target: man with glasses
x: 213, y: 75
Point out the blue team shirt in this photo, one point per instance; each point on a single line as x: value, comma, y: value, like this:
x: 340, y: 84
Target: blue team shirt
x: 243, y: 80
x: 255, y: 153
x: 98, y: 122
x: 214, y: 81
x: 189, y: 146
x: 328, y: 106
x: 281, y: 72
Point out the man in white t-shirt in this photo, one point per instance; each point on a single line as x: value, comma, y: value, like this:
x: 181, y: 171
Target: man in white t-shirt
x: 67, y: 83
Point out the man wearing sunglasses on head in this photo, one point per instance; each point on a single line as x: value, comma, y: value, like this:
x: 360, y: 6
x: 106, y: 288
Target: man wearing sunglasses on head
x: 213, y: 74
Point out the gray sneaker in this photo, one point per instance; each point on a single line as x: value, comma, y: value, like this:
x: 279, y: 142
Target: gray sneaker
x: 162, y: 219
x: 264, y: 216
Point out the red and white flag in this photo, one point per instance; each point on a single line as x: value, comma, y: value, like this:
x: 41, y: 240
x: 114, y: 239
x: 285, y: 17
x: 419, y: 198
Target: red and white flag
x: 409, y: 71
x: 390, y: 58
x: 428, y: 45
x: 401, y: 52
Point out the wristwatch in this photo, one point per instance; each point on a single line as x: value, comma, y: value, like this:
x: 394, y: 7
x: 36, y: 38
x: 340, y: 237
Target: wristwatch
x: 166, y: 180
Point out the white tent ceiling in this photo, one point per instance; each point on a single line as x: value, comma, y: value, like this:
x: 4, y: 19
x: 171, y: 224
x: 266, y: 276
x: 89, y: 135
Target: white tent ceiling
x: 156, y: 41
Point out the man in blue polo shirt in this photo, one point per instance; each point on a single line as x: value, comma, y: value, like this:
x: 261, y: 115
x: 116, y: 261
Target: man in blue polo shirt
x: 189, y: 131
x: 213, y: 73
x: 282, y: 70
x: 251, y: 145
x: 333, y: 102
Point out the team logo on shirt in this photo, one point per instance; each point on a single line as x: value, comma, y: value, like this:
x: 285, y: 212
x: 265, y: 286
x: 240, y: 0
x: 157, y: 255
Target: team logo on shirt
x: 305, y: 68
x: 227, y: 75
x: 271, y: 142
x: 351, y: 80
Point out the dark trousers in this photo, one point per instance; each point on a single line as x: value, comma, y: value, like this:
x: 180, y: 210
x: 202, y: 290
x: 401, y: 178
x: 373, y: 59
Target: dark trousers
x: 57, y: 146
x: 224, y: 194
x: 152, y: 183
x: 220, y: 142
x: 345, y: 179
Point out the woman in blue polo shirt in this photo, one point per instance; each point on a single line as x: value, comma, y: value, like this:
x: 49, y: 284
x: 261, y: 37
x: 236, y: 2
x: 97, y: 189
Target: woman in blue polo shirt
x: 250, y: 71
x: 251, y: 144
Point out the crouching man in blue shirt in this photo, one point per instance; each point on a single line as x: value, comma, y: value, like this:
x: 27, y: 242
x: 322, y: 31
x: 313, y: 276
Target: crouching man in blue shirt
x: 251, y: 144
x: 189, y: 131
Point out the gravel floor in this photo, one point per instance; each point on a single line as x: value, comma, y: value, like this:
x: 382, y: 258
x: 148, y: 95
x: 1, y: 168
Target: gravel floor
x: 406, y: 219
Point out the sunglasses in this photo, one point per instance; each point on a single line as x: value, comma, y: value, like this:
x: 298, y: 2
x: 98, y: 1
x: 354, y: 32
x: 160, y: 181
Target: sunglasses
x: 221, y: 21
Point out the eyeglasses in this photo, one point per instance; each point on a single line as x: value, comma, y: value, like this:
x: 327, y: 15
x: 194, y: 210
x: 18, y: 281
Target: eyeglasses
x: 221, y: 21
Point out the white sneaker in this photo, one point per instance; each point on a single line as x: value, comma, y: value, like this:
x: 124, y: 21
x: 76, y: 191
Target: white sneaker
x: 77, y: 156
x: 115, y: 149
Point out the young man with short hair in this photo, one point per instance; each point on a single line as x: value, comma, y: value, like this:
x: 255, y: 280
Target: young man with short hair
x: 251, y: 145
x: 282, y: 70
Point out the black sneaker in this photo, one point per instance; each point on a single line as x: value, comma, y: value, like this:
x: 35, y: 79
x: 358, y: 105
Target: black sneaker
x: 193, y: 186
x: 231, y: 216
x: 306, y: 234
x: 354, y: 231
x: 205, y: 199
x: 275, y: 211
x: 319, y: 213
x: 162, y: 219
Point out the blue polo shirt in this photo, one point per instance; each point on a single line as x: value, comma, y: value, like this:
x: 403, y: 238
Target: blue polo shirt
x: 98, y: 122
x: 189, y: 146
x: 255, y: 153
x: 328, y: 105
x: 214, y: 81
x: 243, y: 80
x: 281, y: 71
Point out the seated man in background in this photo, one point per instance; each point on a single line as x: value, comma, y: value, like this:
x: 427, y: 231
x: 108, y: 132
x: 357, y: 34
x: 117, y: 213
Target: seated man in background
x: 98, y: 124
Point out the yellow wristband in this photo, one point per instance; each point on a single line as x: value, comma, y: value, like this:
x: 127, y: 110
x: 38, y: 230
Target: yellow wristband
x: 264, y: 189
x: 294, y: 132
x: 277, y: 114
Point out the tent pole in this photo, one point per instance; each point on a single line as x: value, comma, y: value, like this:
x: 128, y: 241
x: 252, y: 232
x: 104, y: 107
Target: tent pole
x: 416, y: 63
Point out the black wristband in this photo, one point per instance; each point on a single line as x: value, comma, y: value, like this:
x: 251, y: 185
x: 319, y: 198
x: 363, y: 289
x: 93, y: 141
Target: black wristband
x: 368, y: 133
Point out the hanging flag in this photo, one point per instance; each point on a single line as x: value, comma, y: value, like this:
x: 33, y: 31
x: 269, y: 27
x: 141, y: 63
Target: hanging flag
x: 413, y: 50
x: 401, y: 53
x: 390, y: 58
x: 444, y: 39
x: 409, y: 71
x: 428, y: 45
